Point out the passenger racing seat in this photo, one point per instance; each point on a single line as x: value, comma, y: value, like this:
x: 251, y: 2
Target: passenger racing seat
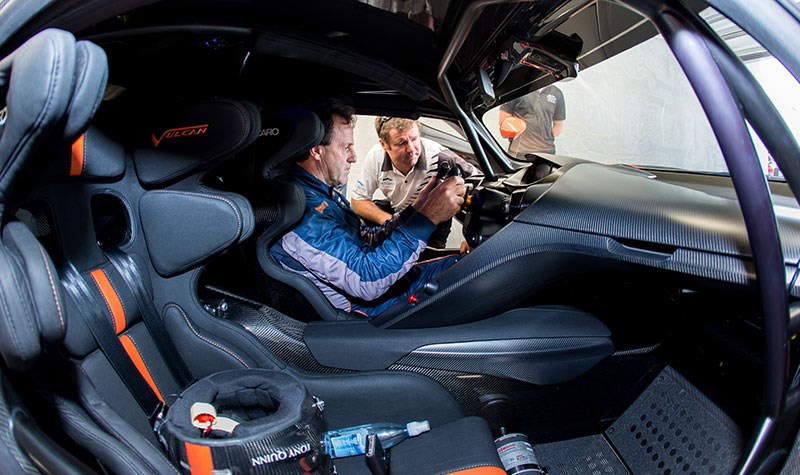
x: 161, y: 240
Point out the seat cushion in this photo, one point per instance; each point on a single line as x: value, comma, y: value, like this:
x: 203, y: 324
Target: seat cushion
x: 454, y: 444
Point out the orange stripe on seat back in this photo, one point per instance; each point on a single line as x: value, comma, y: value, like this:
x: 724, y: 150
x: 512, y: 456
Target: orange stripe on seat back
x: 136, y: 357
x: 111, y: 298
x: 199, y: 459
x: 78, y: 156
x: 480, y: 471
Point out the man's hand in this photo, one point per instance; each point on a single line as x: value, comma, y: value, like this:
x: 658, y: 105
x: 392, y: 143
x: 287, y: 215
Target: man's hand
x: 441, y: 202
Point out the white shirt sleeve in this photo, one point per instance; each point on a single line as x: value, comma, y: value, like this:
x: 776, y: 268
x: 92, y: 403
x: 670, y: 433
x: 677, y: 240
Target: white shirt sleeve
x: 367, y: 182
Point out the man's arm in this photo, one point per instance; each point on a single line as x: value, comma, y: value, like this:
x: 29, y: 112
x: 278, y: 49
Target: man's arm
x: 326, y: 247
x: 558, y: 125
x: 369, y: 210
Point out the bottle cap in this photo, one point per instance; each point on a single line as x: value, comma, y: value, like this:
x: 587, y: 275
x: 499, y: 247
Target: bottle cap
x: 417, y: 427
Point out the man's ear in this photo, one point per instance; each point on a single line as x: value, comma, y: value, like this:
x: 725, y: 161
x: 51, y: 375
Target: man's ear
x: 316, y: 153
x: 383, y: 144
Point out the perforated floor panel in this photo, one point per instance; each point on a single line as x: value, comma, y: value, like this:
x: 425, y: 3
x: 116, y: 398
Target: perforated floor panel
x: 671, y: 429
x: 584, y: 456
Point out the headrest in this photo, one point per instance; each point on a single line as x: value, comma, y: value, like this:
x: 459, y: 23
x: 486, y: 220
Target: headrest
x: 285, y: 135
x: 40, y: 78
x: 185, y: 138
x: 183, y: 229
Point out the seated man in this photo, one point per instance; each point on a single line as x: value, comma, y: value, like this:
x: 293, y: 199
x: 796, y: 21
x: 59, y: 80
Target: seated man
x: 400, y: 165
x: 360, y: 269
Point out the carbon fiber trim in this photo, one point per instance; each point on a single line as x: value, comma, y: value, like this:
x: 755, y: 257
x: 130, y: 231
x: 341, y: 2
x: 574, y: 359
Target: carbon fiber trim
x: 282, y: 335
x: 535, y: 360
x: 507, y: 277
x: 467, y: 388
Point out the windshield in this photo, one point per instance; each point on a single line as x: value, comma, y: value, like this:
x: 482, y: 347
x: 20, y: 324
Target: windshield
x: 638, y: 108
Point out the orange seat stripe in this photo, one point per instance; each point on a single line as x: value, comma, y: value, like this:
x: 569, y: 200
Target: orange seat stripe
x: 199, y: 459
x: 112, y: 299
x: 136, y: 357
x: 480, y: 471
x: 78, y: 156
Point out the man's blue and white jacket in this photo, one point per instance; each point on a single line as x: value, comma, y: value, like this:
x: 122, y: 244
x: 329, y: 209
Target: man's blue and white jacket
x: 353, y: 265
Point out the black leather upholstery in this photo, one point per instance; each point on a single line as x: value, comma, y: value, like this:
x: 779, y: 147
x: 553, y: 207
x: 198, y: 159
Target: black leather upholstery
x: 213, y: 221
x: 54, y: 87
x: 285, y: 135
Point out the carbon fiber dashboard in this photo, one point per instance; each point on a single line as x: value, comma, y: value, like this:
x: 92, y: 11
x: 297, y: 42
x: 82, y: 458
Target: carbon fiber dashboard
x: 594, y: 218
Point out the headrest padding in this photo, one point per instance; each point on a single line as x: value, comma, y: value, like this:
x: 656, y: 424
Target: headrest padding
x: 91, y: 74
x: 41, y: 79
x: 287, y: 134
x: 184, y: 139
x: 183, y: 229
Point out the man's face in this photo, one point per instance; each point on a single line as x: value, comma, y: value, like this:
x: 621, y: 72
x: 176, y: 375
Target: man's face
x: 339, y: 154
x: 404, y: 147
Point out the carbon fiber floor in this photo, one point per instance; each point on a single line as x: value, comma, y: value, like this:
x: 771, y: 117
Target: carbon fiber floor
x: 671, y: 428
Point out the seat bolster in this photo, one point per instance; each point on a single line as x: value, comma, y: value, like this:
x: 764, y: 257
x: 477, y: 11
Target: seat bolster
x: 151, y: 458
x: 291, y: 202
x: 183, y: 229
x: 42, y: 279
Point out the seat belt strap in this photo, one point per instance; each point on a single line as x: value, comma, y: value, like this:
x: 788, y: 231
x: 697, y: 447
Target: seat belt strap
x: 126, y: 268
x: 90, y: 309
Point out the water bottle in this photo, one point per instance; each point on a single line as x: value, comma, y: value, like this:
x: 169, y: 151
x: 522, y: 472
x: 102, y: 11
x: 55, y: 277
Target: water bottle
x: 353, y: 440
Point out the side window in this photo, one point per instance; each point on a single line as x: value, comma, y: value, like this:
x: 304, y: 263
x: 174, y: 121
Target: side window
x: 778, y: 83
x: 637, y: 107
x: 634, y: 108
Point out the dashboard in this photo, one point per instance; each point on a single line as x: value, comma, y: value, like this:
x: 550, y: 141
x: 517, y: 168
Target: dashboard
x: 588, y: 217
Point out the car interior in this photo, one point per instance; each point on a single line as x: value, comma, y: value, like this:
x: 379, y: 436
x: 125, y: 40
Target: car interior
x: 624, y: 319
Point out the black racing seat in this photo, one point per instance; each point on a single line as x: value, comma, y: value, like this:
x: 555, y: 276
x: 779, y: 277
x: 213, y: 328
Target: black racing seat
x: 297, y: 130
x: 170, y: 229
x: 52, y: 87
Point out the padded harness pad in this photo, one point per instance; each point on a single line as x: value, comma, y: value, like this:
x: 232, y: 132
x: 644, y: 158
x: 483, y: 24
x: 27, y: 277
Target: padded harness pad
x: 182, y: 229
x: 31, y: 313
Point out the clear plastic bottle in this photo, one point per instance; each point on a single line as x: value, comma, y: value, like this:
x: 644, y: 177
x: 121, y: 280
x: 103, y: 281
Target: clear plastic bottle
x: 353, y: 440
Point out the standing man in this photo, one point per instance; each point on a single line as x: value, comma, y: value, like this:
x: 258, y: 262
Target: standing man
x: 359, y: 269
x: 544, y: 113
x: 400, y: 165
